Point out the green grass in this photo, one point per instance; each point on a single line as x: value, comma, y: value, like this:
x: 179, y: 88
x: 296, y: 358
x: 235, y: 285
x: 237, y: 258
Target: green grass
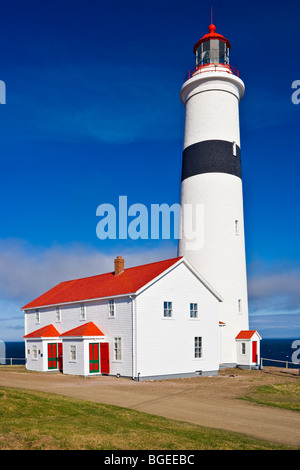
x: 286, y: 395
x: 37, y: 420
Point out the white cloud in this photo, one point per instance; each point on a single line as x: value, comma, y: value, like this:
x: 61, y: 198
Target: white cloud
x: 275, y: 289
x: 26, y: 272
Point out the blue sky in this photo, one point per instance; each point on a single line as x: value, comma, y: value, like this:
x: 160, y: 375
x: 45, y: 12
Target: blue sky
x: 93, y: 112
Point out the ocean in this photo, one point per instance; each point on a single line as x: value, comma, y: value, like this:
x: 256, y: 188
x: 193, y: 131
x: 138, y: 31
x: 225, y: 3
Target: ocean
x: 16, y: 351
x: 277, y: 349
x: 280, y: 349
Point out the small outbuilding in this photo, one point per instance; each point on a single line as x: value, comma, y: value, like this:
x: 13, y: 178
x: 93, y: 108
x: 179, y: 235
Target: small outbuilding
x: 248, y: 349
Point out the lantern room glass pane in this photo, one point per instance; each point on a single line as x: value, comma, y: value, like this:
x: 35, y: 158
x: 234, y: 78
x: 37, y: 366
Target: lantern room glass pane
x: 212, y: 51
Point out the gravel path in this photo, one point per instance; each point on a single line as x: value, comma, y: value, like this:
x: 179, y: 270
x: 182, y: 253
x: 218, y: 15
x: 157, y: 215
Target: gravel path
x: 206, y: 401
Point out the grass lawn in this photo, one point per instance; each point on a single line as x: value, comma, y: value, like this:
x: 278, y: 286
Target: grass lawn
x: 36, y: 420
x: 285, y: 395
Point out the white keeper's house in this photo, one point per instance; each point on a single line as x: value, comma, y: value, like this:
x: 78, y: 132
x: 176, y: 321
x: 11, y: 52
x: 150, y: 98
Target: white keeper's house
x: 179, y: 317
x: 151, y: 321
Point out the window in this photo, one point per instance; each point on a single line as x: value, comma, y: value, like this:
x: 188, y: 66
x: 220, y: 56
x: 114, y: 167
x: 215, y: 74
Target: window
x: 82, y: 312
x: 118, y: 348
x: 72, y: 352
x: 236, y: 226
x: 198, y: 347
x: 243, y: 348
x: 193, y: 310
x: 111, y: 304
x: 167, y: 309
x: 37, y: 316
x: 34, y: 352
x: 58, y: 314
x: 234, y: 149
x: 239, y: 305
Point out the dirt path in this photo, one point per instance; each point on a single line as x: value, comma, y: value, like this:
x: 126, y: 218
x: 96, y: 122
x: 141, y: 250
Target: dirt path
x: 206, y: 401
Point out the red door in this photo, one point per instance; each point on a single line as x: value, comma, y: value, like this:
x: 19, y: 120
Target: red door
x: 254, y: 351
x: 60, y: 356
x: 94, y: 358
x: 52, y: 356
x: 104, y: 356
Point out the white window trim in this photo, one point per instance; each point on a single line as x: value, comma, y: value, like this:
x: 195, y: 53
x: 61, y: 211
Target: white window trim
x: 111, y: 307
x: 58, y: 314
x: 70, y: 353
x: 168, y: 309
x: 234, y: 152
x: 240, y: 310
x: 82, y: 309
x: 243, y: 346
x: 237, y: 226
x: 34, y: 355
x: 201, y: 348
x: 37, y: 317
x: 121, y: 348
x: 196, y: 317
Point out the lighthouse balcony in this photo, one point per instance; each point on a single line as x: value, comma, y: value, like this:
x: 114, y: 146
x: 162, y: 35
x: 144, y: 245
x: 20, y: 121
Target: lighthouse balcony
x: 211, y: 68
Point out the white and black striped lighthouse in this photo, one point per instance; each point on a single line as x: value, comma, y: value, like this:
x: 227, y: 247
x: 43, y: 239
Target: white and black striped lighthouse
x: 211, y: 178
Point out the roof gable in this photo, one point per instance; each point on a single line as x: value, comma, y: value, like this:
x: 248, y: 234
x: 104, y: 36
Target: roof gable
x: 88, y: 329
x: 48, y: 331
x: 130, y: 281
x: 247, y: 334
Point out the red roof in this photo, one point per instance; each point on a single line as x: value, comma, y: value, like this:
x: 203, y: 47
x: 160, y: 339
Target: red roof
x: 88, y: 329
x: 45, y: 332
x: 245, y: 334
x: 102, y: 285
x: 212, y: 35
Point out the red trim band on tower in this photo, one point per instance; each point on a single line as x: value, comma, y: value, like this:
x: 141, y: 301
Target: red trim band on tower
x: 211, y: 68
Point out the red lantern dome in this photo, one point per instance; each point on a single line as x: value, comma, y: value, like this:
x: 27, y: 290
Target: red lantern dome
x: 212, y: 48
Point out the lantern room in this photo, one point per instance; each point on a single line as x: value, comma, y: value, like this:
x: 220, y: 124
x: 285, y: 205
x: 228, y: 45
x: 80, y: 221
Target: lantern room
x: 213, y: 48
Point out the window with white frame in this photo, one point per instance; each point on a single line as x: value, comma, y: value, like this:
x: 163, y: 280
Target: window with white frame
x: 234, y: 149
x: 237, y: 227
x: 82, y: 312
x: 193, y: 310
x: 37, y: 316
x: 243, y: 348
x: 111, y: 306
x: 198, y: 347
x: 239, y: 305
x: 73, y: 354
x: 117, y: 348
x: 57, y: 314
x: 167, y: 309
x: 34, y: 352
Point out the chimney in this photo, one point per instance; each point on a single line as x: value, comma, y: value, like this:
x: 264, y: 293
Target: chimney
x: 119, y: 265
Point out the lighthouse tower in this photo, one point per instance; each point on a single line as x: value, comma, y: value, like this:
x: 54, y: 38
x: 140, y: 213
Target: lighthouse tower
x: 212, y: 179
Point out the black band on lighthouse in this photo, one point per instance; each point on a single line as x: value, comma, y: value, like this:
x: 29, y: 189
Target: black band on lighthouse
x: 211, y: 156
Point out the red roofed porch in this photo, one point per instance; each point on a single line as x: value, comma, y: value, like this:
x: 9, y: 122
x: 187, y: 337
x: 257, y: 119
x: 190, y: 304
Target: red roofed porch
x: 83, y: 348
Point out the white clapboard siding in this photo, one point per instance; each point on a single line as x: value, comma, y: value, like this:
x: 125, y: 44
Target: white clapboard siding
x: 166, y: 345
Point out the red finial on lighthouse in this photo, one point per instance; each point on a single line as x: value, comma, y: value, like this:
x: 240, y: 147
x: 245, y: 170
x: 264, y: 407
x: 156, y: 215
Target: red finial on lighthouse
x: 212, y: 28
